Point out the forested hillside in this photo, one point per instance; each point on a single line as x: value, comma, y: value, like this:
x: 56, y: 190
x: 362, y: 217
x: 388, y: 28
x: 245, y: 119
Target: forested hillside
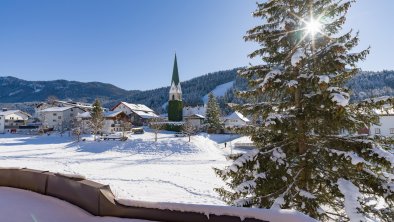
x: 20, y: 92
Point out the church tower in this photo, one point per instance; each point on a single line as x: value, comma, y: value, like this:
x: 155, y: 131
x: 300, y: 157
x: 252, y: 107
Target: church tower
x: 175, y: 105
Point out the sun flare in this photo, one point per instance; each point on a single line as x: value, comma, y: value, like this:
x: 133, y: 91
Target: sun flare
x: 313, y: 26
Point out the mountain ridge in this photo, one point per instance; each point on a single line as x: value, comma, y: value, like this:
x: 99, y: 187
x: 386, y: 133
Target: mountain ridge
x: 18, y: 91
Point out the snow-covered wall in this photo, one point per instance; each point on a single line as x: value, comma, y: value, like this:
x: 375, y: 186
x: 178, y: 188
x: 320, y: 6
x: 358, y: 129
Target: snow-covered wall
x: 99, y: 200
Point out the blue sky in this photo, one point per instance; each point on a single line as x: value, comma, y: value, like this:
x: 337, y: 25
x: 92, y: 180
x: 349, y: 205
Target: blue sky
x: 131, y: 43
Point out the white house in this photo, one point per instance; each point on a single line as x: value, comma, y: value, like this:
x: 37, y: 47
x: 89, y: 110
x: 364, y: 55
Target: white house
x: 114, y: 121
x: 13, y: 119
x: 386, y: 126
x: 2, y: 129
x: 139, y: 114
x: 235, y: 120
x: 59, y: 118
x: 195, y: 120
x: 195, y: 115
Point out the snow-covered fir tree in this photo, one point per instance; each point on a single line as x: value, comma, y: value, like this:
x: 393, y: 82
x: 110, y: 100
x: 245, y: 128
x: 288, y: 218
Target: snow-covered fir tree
x: 212, y: 117
x: 308, y: 156
x: 97, y: 119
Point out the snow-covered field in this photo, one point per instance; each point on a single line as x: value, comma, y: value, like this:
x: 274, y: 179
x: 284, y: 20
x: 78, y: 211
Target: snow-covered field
x: 170, y: 170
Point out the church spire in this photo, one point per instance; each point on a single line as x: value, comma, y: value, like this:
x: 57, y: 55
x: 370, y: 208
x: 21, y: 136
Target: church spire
x: 175, y: 74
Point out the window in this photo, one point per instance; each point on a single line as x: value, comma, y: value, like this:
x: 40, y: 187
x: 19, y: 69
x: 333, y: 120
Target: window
x: 391, y: 130
x: 54, y: 120
x: 54, y: 114
x: 377, y: 130
x: 59, y: 117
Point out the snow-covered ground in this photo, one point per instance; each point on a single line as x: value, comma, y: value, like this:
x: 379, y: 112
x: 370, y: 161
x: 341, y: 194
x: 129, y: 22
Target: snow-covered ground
x: 26, y: 206
x: 170, y: 170
x: 220, y: 90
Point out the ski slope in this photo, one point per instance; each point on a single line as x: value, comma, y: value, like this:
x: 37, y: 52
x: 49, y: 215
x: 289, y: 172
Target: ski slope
x: 219, y: 90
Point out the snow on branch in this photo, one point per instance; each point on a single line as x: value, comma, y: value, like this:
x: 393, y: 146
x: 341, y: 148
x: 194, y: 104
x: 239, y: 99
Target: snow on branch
x: 378, y: 150
x: 351, y: 194
x: 338, y: 96
x: 298, y: 55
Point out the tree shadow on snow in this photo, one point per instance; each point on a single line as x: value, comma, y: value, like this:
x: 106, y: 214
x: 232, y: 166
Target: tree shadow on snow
x: 139, y: 146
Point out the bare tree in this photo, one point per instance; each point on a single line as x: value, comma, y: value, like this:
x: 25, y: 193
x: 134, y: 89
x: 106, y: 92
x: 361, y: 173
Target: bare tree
x: 189, y: 129
x: 76, y: 128
x: 156, y: 125
x: 126, y: 125
x: 52, y: 100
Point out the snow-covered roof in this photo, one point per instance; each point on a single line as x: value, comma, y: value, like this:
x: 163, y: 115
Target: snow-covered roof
x: 137, y: 107
x: 112, y: 113
x: 83, y: 115
x: 145, y: 114
x: 108, y: 114
x: 196, y: 115
x: 237, y: 115
x: 200, y: 110
x: 384, y: 112
x: 9, y: 112
x: 57, y: 109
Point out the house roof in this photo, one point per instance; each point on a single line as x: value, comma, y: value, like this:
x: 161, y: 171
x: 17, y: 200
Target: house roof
x: 146, y: 114
x: 108, y: 114
x: 237, y: 115
x: 200, y: 110
x: 134, y: 107
x: 57, y: 109
x: 384, y: 112
x: 196, y: 116
x: 9, y: 112
x: 112, y: 113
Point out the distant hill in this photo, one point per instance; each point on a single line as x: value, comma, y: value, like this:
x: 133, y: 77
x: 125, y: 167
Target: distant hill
x: 17, y: 90
x: 20, y: 93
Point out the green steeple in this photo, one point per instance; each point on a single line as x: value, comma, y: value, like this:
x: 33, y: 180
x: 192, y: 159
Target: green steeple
x: 175, y: 74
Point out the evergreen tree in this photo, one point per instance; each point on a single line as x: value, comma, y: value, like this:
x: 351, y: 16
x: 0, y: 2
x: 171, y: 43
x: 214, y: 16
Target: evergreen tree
x: 97, y: 118
x: 303, y: 162
x: 213, y: 114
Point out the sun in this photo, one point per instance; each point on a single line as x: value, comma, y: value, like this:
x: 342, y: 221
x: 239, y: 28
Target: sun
x: 313, y: 26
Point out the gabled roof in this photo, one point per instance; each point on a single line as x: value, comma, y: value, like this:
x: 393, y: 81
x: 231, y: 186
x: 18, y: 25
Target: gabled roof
x: 198, y: 116
x: 9, y: 112
x: 57, y: 109
x: 108, y: 114
x: 384, y: 112
x: 134, y: 107
x: 237, y: 115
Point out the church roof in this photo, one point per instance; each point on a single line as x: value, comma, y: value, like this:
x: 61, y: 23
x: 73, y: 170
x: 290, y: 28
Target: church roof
x: 175, y: 74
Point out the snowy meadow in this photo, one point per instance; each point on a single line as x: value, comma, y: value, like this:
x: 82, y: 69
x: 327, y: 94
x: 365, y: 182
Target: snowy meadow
x: 170, y: 170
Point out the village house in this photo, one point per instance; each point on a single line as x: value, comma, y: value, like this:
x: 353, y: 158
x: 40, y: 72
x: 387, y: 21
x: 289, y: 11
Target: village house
x: 58, y: 118
x: 139, y: 114
x: 235, y: 120
x: 114, y: 121
x: 194, y: 115
x: 59, y: 103
x: 2, y: 124
x: 386, y: 126
x: 13, y: 119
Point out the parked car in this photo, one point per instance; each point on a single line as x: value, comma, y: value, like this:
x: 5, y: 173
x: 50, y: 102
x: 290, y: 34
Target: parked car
x: 181, y: 134
x: 139, y: 130
x: 115, y: 136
